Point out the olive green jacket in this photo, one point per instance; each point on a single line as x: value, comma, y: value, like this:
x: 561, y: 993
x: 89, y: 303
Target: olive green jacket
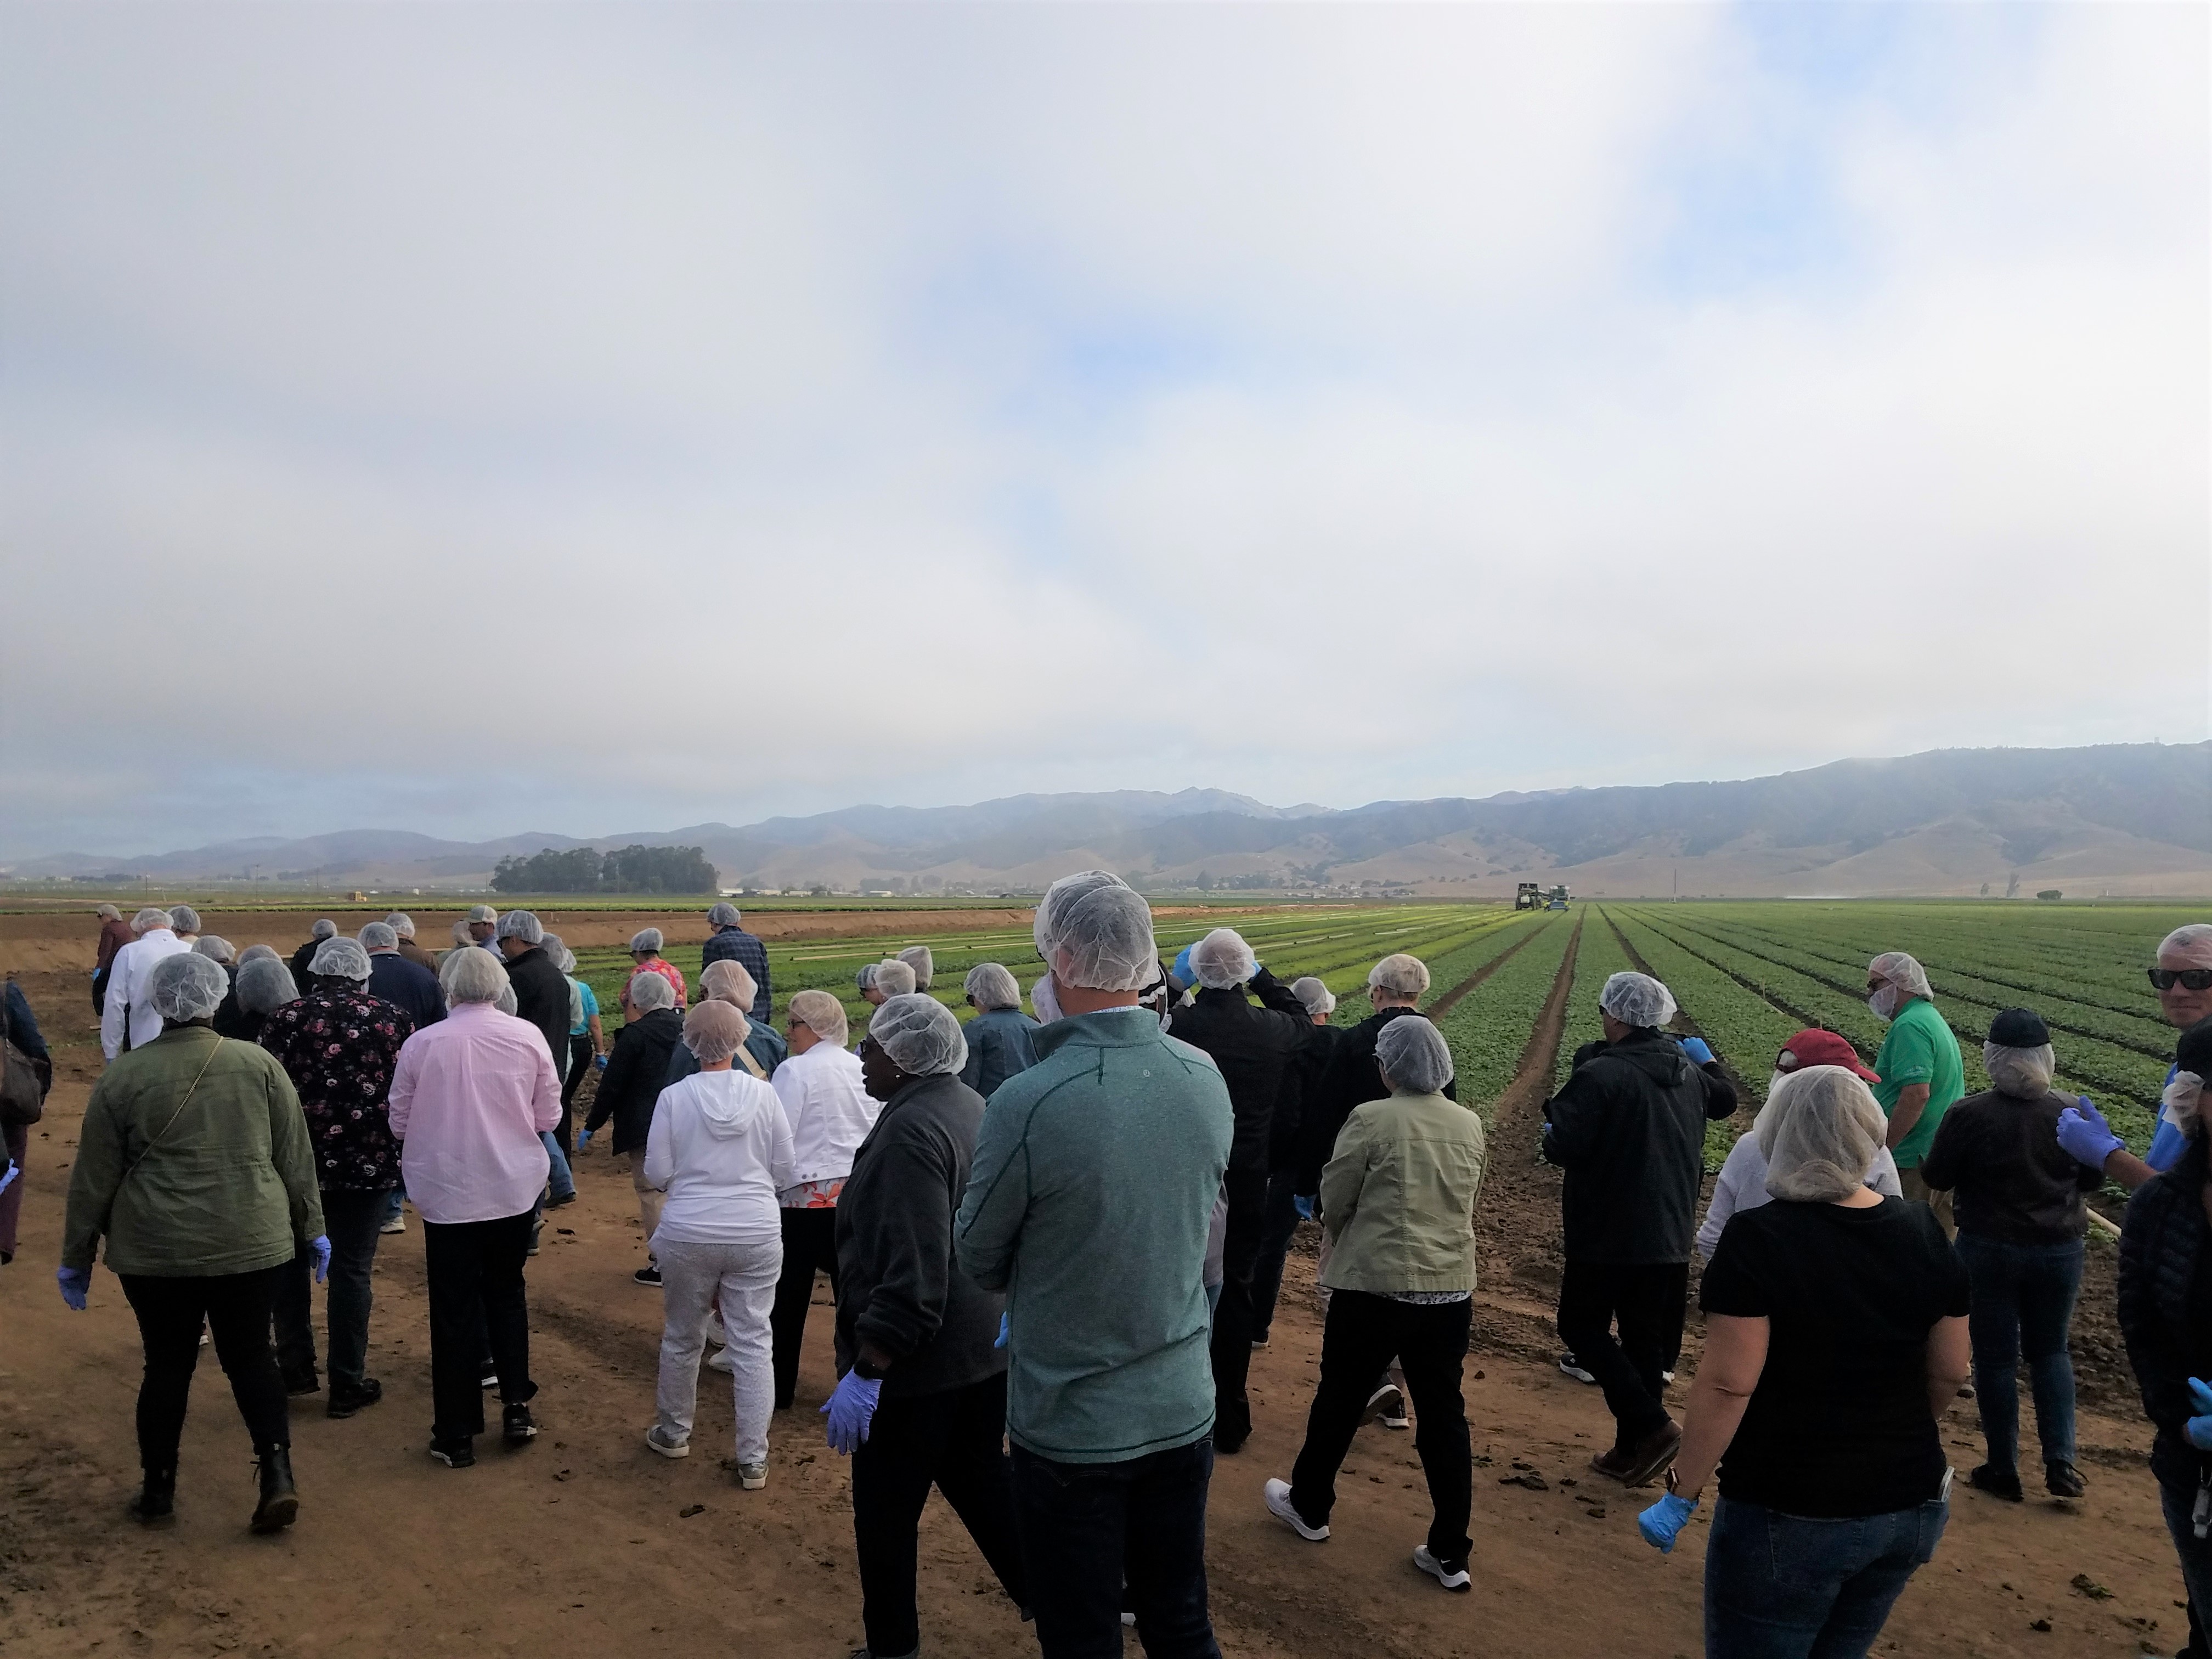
x: 225, y: 1186
x: 1398, y: 1196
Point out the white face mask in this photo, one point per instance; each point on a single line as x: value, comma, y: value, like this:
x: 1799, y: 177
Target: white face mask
x: 2182, y: 1101
x: 1883, y: 1002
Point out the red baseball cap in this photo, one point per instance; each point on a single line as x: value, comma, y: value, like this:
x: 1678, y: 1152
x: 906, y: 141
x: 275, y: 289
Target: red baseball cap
x: 1818, y: 1048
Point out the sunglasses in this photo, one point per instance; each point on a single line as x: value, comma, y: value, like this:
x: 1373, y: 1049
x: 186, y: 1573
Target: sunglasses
x: 2196, y: 979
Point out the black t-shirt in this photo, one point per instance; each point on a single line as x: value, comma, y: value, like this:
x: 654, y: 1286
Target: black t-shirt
x: 1839, y: 1423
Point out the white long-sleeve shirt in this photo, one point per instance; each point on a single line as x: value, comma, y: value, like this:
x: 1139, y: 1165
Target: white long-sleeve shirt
x: 128, y: 996
x: 720, y: 1147
x: 1741, y: 1185
x: 830, y: 1112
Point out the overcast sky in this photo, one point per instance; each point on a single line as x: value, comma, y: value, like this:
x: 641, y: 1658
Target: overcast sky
x: 590, y: 418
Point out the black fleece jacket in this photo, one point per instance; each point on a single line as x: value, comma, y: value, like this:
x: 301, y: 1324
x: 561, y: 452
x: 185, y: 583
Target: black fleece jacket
x: 1351, y: 1080
x: 541, y: 997
x: 631, y: 1083
x: 2161, y: 1254
x: 1253, y: 1047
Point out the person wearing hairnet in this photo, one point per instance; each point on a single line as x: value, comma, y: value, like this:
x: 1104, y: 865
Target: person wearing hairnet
x: 185, y: 921
x: 1001, y: 1038
x: 128, y: 1020
x: 393, y: 978
x: 587, y: 1040
x: 1301, y: 1082
x: 2022, y: 1205
x: 541, y: 999
x: 725, y: 979
x: 114, y: 935
x: 825, y: 1096
x: 645, y: 952
x: 193, y: 1161
x: 1835, y: 1338
x: 720, y: 1147
x: 1398, y: 1202
x: 1628, y: 1129
x: 2183, y: 980
x: 631, y: 1084
x: 728, y: 941
x: 403, y: 925
x: 302, y: 958
x: 19, y: 1027
x: 262, y: 986
x: 340, y: 1044
x: 1253, y: 1048
x: 918, y: 957
x: 922, y: 1388
x: 1099, y: 1165
x: 1920, y: 1072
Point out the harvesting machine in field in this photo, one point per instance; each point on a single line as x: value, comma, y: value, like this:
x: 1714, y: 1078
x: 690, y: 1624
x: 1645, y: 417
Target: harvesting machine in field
x: 1528, y: 896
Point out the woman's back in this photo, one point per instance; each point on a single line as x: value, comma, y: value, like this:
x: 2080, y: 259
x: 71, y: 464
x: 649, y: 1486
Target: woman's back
x: 999, y: 1045
x: 720, y: 1147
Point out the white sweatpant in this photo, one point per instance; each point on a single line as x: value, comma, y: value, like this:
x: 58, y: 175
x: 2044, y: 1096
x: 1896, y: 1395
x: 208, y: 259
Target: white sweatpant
x: 744, y: 1276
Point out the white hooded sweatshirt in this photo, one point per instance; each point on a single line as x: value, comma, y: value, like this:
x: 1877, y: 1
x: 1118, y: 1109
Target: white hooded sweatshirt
x: 720, y: 1148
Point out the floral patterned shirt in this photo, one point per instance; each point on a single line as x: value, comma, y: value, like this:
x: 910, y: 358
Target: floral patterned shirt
x: 339, y: 1048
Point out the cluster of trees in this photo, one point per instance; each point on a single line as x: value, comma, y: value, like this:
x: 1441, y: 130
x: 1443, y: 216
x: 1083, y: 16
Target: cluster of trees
x: 631, y: 869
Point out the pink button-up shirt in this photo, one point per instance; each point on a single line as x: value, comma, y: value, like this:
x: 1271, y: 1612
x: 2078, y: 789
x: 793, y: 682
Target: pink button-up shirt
x: 469, y: 1098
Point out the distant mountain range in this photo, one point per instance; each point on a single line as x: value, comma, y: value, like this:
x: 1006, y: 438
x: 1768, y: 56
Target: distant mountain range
x: 2134, y: 818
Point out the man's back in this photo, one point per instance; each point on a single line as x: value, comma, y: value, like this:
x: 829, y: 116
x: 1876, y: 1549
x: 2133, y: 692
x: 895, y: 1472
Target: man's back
x: 1094, y: 1181
x: 394, y: 979
x: 735, y: 945
x: 541, y: 997
x: 1629, y: 1129
x: 1252, y: 1048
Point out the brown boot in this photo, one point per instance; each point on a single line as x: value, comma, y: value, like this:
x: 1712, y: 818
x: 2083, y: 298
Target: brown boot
x: 1653, y: 1453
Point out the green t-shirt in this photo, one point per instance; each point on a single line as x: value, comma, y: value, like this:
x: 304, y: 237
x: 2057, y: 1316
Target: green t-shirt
x: 1919, y: 1049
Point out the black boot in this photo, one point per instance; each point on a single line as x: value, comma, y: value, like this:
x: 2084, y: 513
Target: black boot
x: 155, y: 1505
x: 280, y: 1499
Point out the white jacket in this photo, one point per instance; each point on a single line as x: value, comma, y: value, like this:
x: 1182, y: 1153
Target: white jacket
x: 720, y: 1147
x: 1741, y: 1185
x: 830, y: 1113
x: 127, y: 989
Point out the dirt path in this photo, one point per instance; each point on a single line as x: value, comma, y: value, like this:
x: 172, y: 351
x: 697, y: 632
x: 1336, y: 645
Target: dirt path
x: 582, y: 1543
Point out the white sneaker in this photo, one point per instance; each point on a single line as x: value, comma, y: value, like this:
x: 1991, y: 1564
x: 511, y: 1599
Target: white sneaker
x: 1387, y: 1406
x: 752, y: 1476
x: 1276, y: 1494
x: 397, y: 1225
x: 1569, y: 1366
x: 719, y: 1360
x: 716, y: 1335
x: 1452, y: 1578
x: 665, y: 1448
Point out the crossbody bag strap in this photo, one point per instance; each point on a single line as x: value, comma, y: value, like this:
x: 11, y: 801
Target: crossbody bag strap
x: 174, y: 1116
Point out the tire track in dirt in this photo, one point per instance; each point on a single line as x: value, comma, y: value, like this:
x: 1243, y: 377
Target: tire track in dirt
x: 1450, y: 1000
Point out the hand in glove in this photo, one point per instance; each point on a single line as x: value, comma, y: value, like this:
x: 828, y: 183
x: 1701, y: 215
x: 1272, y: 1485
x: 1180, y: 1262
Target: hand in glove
x: 850, y: 1409
x: 1663, y: 1524
x: 2198, y: 1429
x: 76, y: 1282
x: 582, y: 1141
x: 1307, y: 1204
x: 321, y: 1246
x: 1005, y: 1331
x: 1699, y: 1051
x: 2085, y: 1136
x: 600, y: 1061
x: 8, y: 1179
x: 1185, y: 974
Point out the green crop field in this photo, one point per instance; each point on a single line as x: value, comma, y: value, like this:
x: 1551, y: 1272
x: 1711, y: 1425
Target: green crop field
x: 1746, y: 976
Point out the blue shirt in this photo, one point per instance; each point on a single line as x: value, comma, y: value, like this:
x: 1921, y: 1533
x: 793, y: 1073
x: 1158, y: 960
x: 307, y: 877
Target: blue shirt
x: 2166, y: 1143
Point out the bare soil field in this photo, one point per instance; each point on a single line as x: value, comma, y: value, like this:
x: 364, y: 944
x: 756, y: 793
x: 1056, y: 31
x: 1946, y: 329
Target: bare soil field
x: 585, y: 1542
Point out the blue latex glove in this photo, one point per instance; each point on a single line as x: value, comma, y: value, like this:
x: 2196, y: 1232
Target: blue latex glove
x: 76, y: 1284
x: 1307, y: 1204
x: 1663, y: 1524
x: 1185, y: 974
x: 2084, y: 1134
x: 321, y: 1246
x: 1005, y: 1331
x: 850, y: 1409
x: 1699, y: 1051
x: 582, y: 1141
x: 2199, y: 1427
x: 599, y: 1062
x: 8, y: 1179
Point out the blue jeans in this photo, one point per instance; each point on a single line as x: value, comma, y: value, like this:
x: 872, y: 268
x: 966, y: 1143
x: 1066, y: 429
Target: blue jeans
x: 2196, y: 1552
x: 1279, y: 1223
x: 2023, y: 1303
x: 563, y: 1184
x: 1085, y: 1526
x: 1783, y: 1587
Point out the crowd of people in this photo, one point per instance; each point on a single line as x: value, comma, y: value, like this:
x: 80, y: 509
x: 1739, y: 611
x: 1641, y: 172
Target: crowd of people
x: 1054, y: 1243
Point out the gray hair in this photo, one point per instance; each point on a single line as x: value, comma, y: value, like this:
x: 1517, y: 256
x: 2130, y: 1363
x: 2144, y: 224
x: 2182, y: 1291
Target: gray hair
x: 2193, y: 940
x: 186, y: 987
x: 265, y: 983
x: 649, y: 991
x: 471, y: 976
x: 108, y: 913
x: 1819, y: 1131
x: 339, y: 958
x: 1414, y: 1055
x: 380, y: 935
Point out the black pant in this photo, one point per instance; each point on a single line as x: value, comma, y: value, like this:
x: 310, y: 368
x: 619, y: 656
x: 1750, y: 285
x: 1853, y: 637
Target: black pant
x: 351, y: 1220
x: 954, y: 1441
x: 475, y: 1275
x: 236, y: 1309
x: 1235, y: 1318
x: 809, y: 1240
x: 1088, y: 1526
x: 1361, y: 1335
x: 579, y: 1063
x: 1277, y: 1229
x: 99, y: 990
x: 1647, y: 1301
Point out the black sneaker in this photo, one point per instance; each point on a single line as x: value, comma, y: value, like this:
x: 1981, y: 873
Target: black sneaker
x: 648, y: 1274
x: 487, y: 1376
x: 456, y: 1451
x: 300, y: 1382
x: 557, y: 1203
x: 345, y: 1401
x: 2062, y: 1479
x: 516, y: 1425
x: 155, y: 1505
x: 1998, y: 1483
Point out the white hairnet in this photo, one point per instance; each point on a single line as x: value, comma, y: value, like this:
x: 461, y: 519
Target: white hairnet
x: 1902, y: 971
x: 894, y: 978
x: 379, y: 936
x: 214, y: 947
x: 152, y: 916
x: 866, y: 979
x: 471, y: 976
x: 1818, y: 1132
x: 1317, y: 997
x: 265, y: 983
x: 339, y: 958
x: 184, y: 919
x: 820, y: 1014
x: 1045, y: 1001
x: 552, y: 945
x: 649, y: 991
x: 1637, y: 999
x: 714, y: 1030
x: 727, y: 981
x: 507, y: 1003
x: 1414, y: 1054
x: 1095, y: 932
x: 463, y: 939
x: 2182, y: 1101
x: 481, y: 913
x: 1402, y: 976
x: 401, y: 923
x: 646, y: 938
x: 186, y: 985
x: 917, y: 957
x: 2193, y: 942
x: 1222, y: 960
x: 921, y: 1034
x: 992, y: 985
x: 2025, y: 1073
x: 520, y: 924
x: 568, y: 963
x: 108, y: 913
x: 256, y: 952
x: 324, y: 928
x: 724, y: 916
